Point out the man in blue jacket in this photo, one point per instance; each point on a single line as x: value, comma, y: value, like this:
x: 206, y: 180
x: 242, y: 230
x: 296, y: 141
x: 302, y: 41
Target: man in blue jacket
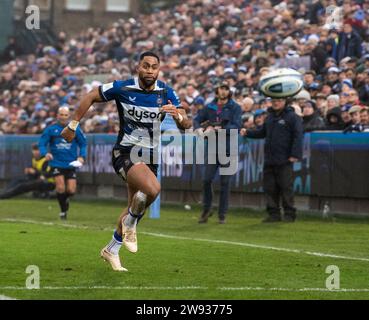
x: 283, y: 133
x: 223, y: 113
x: 63, y: 158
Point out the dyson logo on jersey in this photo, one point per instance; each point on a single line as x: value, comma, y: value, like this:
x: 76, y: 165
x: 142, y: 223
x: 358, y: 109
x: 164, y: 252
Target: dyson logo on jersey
x: 144, y: 114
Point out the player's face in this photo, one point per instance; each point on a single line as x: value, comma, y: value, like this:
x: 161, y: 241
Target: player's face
x: 63, y: 117
x: 278, y: 104
x: 148, y: 71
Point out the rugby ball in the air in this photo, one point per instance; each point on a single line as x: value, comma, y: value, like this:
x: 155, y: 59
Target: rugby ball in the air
x: 281, y: 83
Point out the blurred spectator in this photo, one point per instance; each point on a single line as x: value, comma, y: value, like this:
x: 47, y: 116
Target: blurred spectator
x: 334, y: 120
x: 311, y: 119
x: 12, y: 50
x: 200, y: 43
x: 364, y: 116
x: 355, y: 115
x: 349, y: 43
x: 346, y: 117
x: 259, y: 118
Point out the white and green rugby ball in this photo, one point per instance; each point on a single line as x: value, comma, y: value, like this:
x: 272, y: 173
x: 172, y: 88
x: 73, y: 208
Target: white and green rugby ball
x: 281, y: 83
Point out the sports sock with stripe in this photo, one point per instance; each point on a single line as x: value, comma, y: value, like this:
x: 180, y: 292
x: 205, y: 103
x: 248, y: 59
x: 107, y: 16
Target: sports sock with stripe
x: 132, y: 219
x: 115, y: 244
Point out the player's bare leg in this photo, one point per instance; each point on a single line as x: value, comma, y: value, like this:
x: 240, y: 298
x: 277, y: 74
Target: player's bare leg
x: 71, y: 187
x: 142, y: 179
x: 61, y: 196
x: 110, y: 253
x: 131, y: 193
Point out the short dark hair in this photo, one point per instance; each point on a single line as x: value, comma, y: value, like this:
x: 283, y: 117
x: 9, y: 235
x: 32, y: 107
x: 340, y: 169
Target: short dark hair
x: 149, y: 54
x: 35, y: 146
x: 312, y: 72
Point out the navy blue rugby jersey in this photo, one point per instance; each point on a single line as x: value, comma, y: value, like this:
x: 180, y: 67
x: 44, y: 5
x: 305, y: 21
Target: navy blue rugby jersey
x: 139, y: 110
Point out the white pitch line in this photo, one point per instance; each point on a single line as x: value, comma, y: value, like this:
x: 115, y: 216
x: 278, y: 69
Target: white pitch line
x: 6, y: 298
x: 293, y: 290
x: 106, y: 288
x: 161, y: 235
x: 133, y: 288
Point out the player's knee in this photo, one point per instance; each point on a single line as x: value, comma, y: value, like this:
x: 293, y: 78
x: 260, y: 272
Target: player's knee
x: 60, y: 189
x: 139, y: 202
x: 153, y: 192
x: 71, y: 193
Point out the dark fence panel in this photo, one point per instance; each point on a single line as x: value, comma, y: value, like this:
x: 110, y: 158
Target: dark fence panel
x: 333, y: 164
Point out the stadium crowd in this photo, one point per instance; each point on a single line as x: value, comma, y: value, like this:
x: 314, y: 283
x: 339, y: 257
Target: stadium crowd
x: 202, y: 43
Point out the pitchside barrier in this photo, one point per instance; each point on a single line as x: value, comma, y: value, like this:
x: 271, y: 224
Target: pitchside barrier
x: 334, y: 170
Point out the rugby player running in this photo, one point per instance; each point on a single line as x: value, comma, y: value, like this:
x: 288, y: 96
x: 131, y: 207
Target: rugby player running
x: 142, y: 104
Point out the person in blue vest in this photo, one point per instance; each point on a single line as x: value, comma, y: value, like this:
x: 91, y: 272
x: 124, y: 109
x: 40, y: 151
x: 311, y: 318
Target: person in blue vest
x: 64, y: 158
x: 222, y: 113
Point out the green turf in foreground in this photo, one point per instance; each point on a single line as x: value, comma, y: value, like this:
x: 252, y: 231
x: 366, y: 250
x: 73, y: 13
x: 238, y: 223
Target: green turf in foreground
x: 170, y: 268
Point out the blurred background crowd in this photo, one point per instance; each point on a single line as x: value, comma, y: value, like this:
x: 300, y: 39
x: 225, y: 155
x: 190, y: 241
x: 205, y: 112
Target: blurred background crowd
x: 202, y: 43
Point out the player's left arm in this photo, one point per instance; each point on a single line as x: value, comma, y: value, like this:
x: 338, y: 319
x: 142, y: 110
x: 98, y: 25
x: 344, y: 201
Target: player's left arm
x: 173, y: 107
x: 179, y: 115
x: 297, y: 140
x: 82, y: 144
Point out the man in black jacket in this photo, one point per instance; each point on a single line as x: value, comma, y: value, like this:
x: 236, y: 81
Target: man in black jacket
x: 221, y: 114
x: 283, y: 135
x: 312, y: 121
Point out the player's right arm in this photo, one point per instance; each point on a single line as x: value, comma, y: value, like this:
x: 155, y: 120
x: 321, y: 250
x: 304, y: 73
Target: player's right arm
x: 44, y: 143
x: 87, y: 101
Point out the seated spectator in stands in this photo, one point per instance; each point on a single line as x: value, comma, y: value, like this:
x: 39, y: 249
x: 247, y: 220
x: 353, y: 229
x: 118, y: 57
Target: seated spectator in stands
x: 314, y: 89
x: 197, y: 105
x: 309, y: 78
x: 349, y: 44
x: 364, y: 116
x: 351, y: 74
x: 321, y: 104
x: 333, y: 79
x: 364, y: 88
x: 259, y: 117
x: 355, y: 114
x: 334, y: 120
x: 247, y: 105
x: 331, y: 46
x: 12, y: 50
x: 302, y: 97
x: 311, y: 119
x: 346, y: 117
x: 326, y: 89
x: 38, y: 179
x: 191, y: 93
x: 353, y: 97
x: 346, y: 85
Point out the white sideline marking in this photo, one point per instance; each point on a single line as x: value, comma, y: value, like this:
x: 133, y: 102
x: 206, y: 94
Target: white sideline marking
x: 106, y: 288
x: 243, y: 244
x: 6, y: 298
x: 343, y: 290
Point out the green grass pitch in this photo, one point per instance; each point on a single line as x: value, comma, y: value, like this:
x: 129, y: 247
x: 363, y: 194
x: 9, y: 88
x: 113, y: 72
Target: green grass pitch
x: 177, y: 257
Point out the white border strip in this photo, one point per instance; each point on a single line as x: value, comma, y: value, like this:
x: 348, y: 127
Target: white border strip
x: 6, y: 298
x: 153, y: 288
x: 161, y: 235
